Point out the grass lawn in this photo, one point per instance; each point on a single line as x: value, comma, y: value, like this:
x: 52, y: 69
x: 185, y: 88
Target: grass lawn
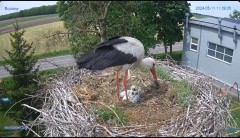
x: 25, y: 19
x: 36, y: 35
x: 177, y: 55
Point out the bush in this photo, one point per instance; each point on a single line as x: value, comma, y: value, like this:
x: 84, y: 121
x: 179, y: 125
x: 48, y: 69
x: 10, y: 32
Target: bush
x: 83, y: 44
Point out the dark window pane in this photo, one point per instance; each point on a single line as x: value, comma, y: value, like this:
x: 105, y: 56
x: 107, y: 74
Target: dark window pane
x: 229, y: 51
x: 228, y: 59
x: 195, y: 40
x: 212, y: 46
x: 219, y: 55
x: 220, y: 49
x: 211, y: 53
x: 194, y: 47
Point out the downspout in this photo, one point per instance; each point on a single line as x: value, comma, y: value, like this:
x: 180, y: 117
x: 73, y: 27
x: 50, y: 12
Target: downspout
x: 199, y: 46
x: 186, y: 32
x: 234, y: 34
x: 187, y: 16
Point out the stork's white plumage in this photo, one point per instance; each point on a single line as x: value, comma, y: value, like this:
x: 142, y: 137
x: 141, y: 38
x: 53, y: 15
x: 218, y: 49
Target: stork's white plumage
x: 118, y: 53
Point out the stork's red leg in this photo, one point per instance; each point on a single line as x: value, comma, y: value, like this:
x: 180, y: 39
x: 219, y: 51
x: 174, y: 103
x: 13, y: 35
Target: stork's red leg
x: 117, y: 87
x: 125, y: 83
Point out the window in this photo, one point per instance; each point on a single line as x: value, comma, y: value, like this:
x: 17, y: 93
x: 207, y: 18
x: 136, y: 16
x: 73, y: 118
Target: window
x: 220, y: 52
x: 194, y: 44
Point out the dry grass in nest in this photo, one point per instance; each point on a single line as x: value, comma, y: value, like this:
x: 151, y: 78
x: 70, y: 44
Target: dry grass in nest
x: 155, y: 105
x: 70, y: 103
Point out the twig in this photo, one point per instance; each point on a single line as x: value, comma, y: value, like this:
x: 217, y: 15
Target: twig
x: 31, y: 130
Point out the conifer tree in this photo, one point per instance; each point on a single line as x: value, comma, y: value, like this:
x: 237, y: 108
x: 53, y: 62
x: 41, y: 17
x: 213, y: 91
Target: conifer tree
x: 21, y: 60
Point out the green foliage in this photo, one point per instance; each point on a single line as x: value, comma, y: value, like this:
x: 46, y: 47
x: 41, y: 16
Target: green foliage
x: 81, y: 18
x: 6, y: 84
x: 7, y: 121
x: 17, y: 97
x: 135, y: 19
x: 43, y: 10
x: 235, y: 15
x: 105, y: 19
x: 162, y: 73
x: 105, y: 114
x: 184, y: 92
x: 235, y: 110
x: 3, y: 63
x: 23, y: 82
x: 169, y: 21
x: 21, y: 60
x: 83, y: 44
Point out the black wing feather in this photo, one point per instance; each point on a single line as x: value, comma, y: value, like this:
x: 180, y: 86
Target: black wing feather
x: 112, y: 41
x: 104, y: 58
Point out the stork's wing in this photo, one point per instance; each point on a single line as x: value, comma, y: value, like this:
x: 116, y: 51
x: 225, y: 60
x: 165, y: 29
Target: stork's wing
x: 112, y: 41
x: 103, y: 58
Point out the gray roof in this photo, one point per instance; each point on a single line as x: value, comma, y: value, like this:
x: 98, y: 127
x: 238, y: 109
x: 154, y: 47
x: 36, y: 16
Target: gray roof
x: 226, y: 22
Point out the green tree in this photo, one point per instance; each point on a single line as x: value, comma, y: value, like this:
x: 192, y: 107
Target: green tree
x: 24, y: 75
x: 89, y: 22
x: 235, y: 15
x: 21, y: 60
x: 133, y: 18
x: 86, y: 21
x: 169, y: 21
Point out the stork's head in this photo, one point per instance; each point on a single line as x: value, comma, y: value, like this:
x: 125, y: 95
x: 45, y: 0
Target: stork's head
x: 149, y: 63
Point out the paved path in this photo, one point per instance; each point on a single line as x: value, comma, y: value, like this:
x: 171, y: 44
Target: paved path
x: 160, y: 48
x: 49, y: 63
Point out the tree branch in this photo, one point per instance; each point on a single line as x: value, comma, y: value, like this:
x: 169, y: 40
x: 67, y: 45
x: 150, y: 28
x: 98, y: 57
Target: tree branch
x: 106, y: 10
x: 88, y: 30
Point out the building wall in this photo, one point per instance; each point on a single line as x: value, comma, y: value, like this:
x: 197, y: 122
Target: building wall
x: 190, y: 57
x: 227, y: 73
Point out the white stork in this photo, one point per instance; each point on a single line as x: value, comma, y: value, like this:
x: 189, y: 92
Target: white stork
x: 118, y: 53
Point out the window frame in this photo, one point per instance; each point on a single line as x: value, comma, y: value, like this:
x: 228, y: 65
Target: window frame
x: 223, y: 53
x: 194, y: 44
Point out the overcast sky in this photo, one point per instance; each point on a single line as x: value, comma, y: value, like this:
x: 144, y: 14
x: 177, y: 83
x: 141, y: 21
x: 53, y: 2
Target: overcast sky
x: 21, y: 5
x: 214, y: 8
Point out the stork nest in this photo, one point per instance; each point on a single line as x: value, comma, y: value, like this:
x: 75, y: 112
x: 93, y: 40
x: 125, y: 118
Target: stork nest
x: 72, y: 98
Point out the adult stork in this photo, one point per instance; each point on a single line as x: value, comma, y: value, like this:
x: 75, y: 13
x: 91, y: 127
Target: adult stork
x: 118, y: 53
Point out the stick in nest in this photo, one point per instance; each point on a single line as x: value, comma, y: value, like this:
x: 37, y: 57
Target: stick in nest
x: 67, y: 116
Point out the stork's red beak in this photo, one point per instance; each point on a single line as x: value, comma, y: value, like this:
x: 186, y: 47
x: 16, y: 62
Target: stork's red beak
x: 154, y: 76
